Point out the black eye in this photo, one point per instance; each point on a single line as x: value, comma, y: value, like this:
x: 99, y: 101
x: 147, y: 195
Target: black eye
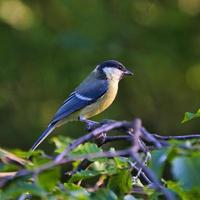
x: 120, y: 67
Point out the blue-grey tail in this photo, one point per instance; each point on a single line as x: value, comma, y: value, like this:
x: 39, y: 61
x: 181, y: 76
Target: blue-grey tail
x: 43, y: 136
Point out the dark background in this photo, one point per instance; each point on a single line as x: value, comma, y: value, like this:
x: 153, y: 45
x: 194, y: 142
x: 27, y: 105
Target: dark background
x: 48, y: 47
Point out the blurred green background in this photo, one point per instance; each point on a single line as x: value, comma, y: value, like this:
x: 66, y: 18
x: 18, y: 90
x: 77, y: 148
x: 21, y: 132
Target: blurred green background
x: 48, y: 47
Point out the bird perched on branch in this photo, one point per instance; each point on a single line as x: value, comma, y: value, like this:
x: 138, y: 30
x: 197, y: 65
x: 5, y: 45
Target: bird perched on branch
x: 91, y: 97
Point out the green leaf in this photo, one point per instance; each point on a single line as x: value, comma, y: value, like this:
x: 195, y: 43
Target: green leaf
x: 181, y: 192
x: 84, y: 149
x: 38, y: 161
x: 158, y: 160
x: 16, y: 188
x: 189, y: 116
x: 83, y: 174
x: 49, y: 179
x: 121, y: 183
x: 28, y: 154
x: 107, y: 167
x: 61, y: 143
x: 101, y: 167
x: 9, y: 168
x: 104, y: 194
x: 186, y: 171
x: 76, y: 191
x: 121, y: 162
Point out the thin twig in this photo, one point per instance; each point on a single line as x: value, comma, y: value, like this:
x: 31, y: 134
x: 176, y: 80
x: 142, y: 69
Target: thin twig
x: 140, y: 131
x: 91, y: 156
x: 137, y: 124
x: 152, y: 177
x: 147, y: 157
x: 104, y: 128
x: 150, y: 138
x: 133, y: 165
x: 117, y: 138
x: 176, y: 137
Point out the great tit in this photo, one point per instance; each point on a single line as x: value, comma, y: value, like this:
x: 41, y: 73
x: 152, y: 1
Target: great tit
x: 91, y: 97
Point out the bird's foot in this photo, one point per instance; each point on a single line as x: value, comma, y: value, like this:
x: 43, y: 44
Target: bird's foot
x: 90, y: 125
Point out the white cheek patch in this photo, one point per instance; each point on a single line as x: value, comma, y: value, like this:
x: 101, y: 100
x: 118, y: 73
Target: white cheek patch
x: 112, y: 73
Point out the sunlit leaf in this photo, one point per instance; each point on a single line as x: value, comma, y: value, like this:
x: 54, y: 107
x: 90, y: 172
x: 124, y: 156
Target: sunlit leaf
x: 84, y: 149
x: 121, y: 162
x: 189, y: 116
x: 83, y: 174
x: 61, y: 143
x: 77, y: 191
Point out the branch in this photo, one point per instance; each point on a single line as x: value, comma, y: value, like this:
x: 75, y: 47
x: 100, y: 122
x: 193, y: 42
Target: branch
x: 177, y: 137
x: 91, y: 156
x: 102, y: 129
x: 134, y: 132
x: 138, y: 132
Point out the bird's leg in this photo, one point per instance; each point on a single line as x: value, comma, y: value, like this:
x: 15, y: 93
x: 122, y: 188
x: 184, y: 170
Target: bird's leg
x: 90, y: 125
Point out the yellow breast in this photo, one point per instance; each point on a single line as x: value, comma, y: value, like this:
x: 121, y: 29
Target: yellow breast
x: 104, y: 102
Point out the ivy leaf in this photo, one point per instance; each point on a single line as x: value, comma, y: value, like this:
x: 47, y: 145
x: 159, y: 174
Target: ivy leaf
x: 189, y: 116
x: 186, y: 171
x: 121, y: 183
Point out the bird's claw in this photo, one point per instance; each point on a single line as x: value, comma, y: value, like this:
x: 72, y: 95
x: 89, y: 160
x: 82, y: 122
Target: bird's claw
x: 100, y: 138
x: 90, y: 125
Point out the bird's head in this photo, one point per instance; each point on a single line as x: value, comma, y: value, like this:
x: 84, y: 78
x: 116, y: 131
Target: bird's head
x: 113, y: 69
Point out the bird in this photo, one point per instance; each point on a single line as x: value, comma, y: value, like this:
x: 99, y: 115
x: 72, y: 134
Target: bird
x: 95, y: 94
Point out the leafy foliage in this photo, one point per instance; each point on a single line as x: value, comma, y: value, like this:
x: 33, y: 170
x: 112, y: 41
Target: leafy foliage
x: 106, y: 178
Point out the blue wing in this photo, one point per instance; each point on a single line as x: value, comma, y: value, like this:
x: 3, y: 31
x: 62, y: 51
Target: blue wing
x: 87, y: 93
x: 93, y: 88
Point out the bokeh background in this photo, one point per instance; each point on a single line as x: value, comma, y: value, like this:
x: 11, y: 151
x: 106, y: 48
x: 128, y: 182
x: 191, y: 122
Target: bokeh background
x: 48, y: 47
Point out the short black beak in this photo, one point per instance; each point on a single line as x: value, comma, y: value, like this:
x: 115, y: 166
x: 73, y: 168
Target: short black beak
x: 128, y: 72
